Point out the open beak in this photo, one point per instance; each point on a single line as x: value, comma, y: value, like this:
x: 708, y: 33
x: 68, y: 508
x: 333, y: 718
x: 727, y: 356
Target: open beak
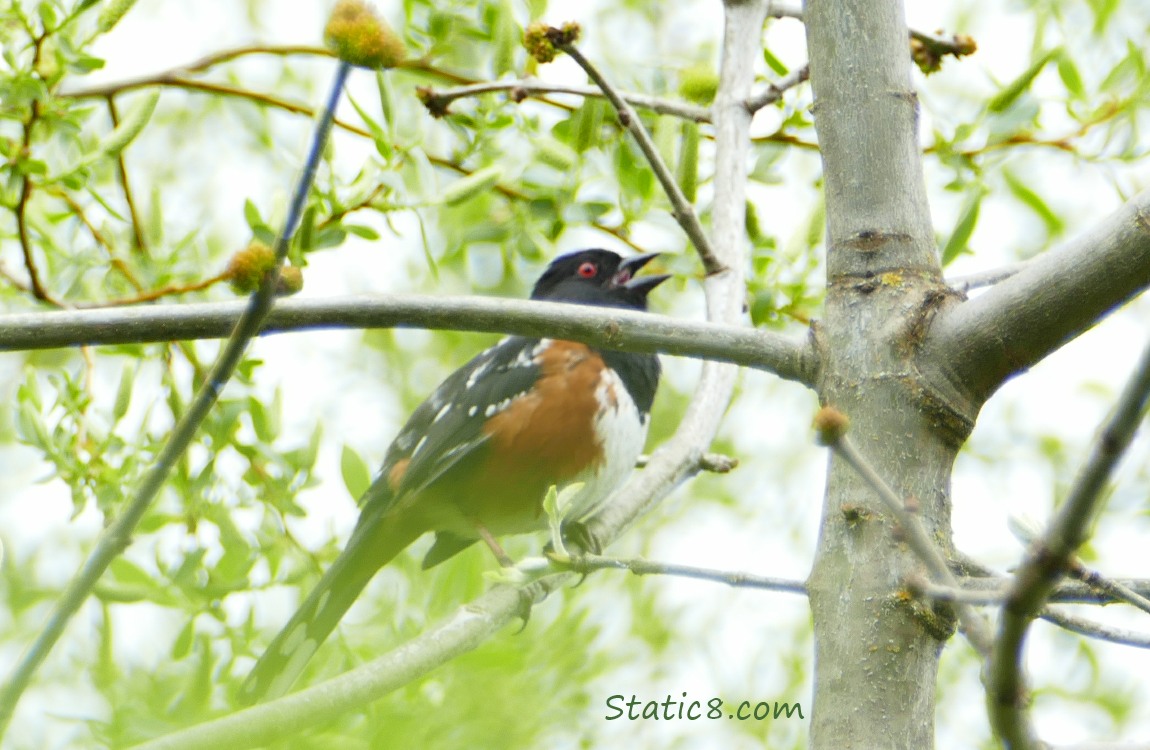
x: 625, y: 276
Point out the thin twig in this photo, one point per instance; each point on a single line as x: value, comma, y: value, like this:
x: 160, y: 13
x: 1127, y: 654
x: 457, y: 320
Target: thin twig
x: 151, y: 295
x: 980, y: 279
x: 992, y: 591
x: 117, y: 535
x: 210, y: 61
x: 586, y: 563
x: 1049, y: 557
x: 681, y: 208
x: 175, y: 78
x: 1114, y: 589
x: 995, y: 597
x: 35, y: 285
x: 775, y: 90
x: 716, y: 463
x: 973, y: 625
x: 943, y: 593
x: 438, y: 101
x: 1092, y: 629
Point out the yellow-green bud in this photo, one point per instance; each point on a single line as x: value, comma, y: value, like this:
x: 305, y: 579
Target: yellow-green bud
x: 290, y: 281
x: 358, y: 36
x: 247, y: 268
x: 542, y: 41
x: 830, y: 425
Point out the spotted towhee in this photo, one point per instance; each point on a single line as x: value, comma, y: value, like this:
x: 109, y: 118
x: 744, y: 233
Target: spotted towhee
x: 476, y: 459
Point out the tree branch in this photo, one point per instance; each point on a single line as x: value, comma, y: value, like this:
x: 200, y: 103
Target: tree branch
x: 1092, y: 629
x: 438, y: 101
x: 614, y: 329
x: 1049, y: 557
x: 980, y: 279
x: 775, y: 90
x: 681, y: 208
x: 468, y: 628
x: 973, y: 625
x: 1053, y: 298
x: 584, y: 564
x: 993, y: 591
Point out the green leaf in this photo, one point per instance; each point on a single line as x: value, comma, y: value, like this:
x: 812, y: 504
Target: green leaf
x: 1035, y: 202
x: 47, y: 13
x: 1103, y: 10
x: 359, y: 230
x: 688, y: 167
x: 31, y: 427
x: 155, y: 222
x: 379, y: 136
x: 774, y: 63
x: 112, y: 13
x: 386, y: 97
x: 304, y: 240
x: 1071, y: 79
x: 252, y: 215
x: 124, y: 393
x: 963, y: 229
x: 508, y: 38
x: 1128, y: 72
x: 476, y: 183
x: 130, y: 126
x: 1003, y: 99
x: 555, y: 154
x: 356, y: 474
x: 586, y: 124
x: 182, y: 645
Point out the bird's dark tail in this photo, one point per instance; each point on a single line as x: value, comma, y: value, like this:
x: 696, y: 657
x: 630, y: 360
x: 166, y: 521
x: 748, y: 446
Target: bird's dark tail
x: 373, y: 544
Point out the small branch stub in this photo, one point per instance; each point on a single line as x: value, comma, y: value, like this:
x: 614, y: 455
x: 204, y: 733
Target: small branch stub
x: 358, y: 36
x: 928, y: 51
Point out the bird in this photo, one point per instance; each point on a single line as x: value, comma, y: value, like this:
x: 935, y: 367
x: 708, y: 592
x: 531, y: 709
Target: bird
x: 476, y: 459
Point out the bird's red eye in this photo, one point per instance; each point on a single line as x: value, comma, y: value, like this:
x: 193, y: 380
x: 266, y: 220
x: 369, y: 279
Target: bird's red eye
x: 588, y: 270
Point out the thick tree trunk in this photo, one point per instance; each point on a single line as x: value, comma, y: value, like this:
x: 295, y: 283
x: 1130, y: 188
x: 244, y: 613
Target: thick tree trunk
x: 876, y: 653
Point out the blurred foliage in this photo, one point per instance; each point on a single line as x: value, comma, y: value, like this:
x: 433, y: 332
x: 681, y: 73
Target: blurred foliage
x: 98, y: 195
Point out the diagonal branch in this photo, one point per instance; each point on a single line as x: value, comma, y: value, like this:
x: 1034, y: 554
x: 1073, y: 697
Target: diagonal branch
x: 1049, y: 557
x: 833, y: 433
x: 681, y: 208
x: 1053, y: 298
x: 775, y: 90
